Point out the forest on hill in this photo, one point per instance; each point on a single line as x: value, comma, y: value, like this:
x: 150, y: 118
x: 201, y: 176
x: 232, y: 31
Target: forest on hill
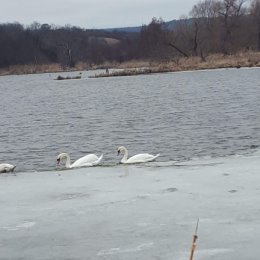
x: 213, y: 26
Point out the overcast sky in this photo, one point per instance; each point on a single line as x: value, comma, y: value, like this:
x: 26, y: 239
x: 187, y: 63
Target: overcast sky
x: 93, y: 13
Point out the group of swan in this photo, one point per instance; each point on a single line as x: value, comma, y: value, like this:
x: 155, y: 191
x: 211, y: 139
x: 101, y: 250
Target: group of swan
x: 92, y: 160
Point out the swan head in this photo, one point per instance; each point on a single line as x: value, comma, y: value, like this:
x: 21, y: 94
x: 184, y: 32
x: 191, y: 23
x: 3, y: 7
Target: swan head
x: 121, y: 149
x: 61, y: 156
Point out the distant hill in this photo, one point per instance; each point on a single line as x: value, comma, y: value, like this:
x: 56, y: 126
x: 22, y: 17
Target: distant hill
x: 124, y: 29
x: 167, y: 25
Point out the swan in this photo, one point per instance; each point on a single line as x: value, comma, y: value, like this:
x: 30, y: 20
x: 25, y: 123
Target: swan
x: 6, y: 167
x: 88, y: 160
x: 138, y: 158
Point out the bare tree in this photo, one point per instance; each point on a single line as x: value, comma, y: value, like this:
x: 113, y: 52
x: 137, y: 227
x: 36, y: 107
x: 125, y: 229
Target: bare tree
x: 206, y: 26
x: 152, y: 40
x: 231, y: 10
x: 181, y: 40
x: 255, y: 11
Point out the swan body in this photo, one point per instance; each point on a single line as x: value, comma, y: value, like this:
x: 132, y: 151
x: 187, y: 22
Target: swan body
x: 88, y: 160
x: 138, y: 158
x: 6, y: 167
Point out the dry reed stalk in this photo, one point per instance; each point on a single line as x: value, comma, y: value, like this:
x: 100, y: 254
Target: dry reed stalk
x: 194, y: 239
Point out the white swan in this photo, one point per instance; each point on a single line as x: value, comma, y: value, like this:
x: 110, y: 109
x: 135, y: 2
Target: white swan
x: 138, y: 158
x: 6, y: 167
x: 88, y: 160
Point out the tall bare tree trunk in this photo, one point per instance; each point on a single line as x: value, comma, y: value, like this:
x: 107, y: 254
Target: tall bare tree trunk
x: 259, y: 36
x: 195, y: 40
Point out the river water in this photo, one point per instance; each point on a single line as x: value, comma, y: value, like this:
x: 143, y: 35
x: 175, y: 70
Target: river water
x: 179, y: 115
x: 205, y: 125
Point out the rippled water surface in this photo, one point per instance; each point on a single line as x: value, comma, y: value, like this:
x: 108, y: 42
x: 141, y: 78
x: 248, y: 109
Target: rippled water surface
x: 179, y: 115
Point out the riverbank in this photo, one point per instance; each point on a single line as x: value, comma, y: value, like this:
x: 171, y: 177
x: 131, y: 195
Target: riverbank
x: 214, y: 61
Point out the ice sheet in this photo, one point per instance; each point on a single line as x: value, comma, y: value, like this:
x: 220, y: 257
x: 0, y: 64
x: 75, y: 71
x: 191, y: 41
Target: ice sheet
x: 134, y: 212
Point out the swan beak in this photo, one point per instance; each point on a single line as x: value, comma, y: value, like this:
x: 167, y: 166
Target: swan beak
x: 118, y: 152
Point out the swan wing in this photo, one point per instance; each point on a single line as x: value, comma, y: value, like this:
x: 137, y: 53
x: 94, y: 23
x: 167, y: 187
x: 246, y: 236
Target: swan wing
x: 88, y: 160
x: 142, y: 157
x: 98, y: 160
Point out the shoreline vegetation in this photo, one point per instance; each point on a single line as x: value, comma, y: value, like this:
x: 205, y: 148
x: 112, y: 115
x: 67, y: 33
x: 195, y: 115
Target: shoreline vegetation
x: 215, y: 34
x: 132, y: 68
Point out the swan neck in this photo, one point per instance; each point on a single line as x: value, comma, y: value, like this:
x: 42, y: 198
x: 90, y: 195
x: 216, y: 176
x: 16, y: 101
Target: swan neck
x: 124, y: 159
x: 67, y: 163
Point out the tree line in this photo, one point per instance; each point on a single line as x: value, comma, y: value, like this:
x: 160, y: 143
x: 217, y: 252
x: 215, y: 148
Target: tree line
x: 44, y: 43
x: 213, y: 26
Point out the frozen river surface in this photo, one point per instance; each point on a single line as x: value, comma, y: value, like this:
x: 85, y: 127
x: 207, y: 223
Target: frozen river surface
x: 135, y: 212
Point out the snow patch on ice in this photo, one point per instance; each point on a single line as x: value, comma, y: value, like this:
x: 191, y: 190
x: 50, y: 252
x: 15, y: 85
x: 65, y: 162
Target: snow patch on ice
x: 117, y: 250
x: 27, y: 224
x: 214, y: 251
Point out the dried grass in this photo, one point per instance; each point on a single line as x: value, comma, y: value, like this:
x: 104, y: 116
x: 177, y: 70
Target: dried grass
x: 246, y: 59
x: 30, y: 69
x: 134, y: 67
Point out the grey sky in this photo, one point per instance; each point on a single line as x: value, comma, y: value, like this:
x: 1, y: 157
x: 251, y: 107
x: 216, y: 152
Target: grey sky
x: 93, y: 13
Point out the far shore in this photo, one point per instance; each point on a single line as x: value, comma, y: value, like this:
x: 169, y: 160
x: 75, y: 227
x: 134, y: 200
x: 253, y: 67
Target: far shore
x: 129, y: 68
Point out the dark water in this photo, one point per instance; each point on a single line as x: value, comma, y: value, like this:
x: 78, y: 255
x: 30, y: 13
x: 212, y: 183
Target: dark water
x: 179, y: 115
